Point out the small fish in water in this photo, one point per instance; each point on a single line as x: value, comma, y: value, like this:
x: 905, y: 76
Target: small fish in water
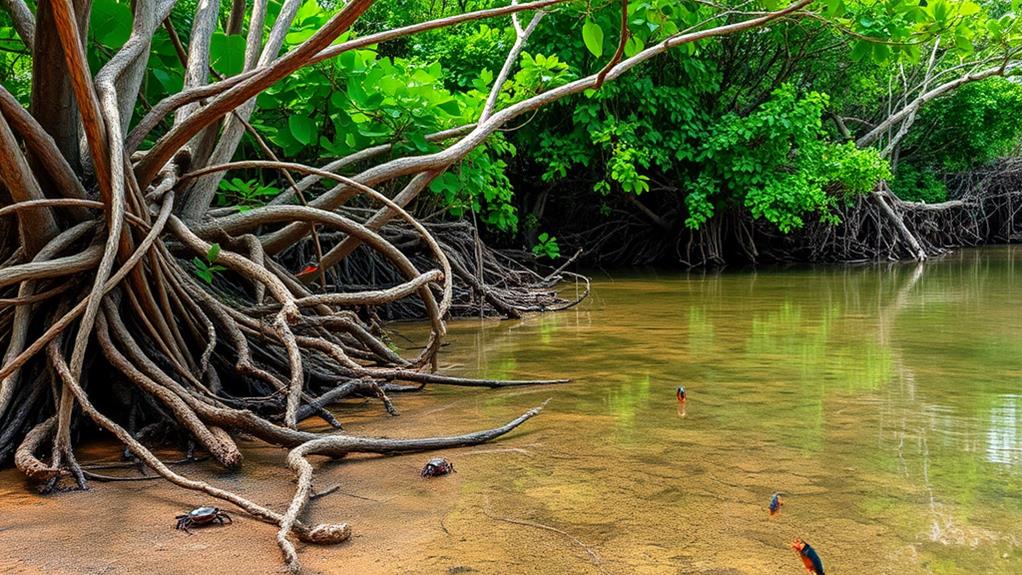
x: 775, y: 504
x: 809, y: 557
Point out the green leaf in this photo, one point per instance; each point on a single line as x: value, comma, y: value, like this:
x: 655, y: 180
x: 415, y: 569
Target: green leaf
x: 835, y: 8
x: 419, y: 141
x: 302, y: 128
x: 592, y: 35
x: 862, y: 51
x: 110, y: 22
x: 299, y: 36
x: 633, y: 46
x: 881, y: 52
x: 968, y: 8
x: 451, y: 107
x: 227, y: 53
x: 356, y: 93
x: 202, y: 270
x: 963, y: 45
x: 213, y: 253
x: 310, y: 10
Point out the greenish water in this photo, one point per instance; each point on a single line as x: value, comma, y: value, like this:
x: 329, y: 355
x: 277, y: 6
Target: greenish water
x: 886, y: 401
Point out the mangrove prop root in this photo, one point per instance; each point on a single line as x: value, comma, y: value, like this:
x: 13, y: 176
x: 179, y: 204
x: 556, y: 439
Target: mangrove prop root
x: 985, y: 207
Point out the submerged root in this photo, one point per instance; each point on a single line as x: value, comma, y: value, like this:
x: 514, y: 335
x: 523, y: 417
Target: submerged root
x: 338, y: 446
x: 594, y: 557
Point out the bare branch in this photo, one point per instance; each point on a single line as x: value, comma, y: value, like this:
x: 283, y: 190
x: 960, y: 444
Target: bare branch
x: 521, y: 37
x: 940, y: 90
x: 170, y: 143
x: 37, y: 226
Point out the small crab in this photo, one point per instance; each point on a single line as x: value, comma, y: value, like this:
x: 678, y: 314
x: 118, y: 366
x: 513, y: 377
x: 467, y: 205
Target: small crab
x: 436, y: 467
x: 201, y: 516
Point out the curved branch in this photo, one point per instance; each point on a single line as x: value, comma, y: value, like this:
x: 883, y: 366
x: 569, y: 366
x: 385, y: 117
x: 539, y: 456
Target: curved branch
x: 914, y: 105
x: 440, y: 161
x: 173, y: 102
x: 170, y: 143
x: 41, y: 146
x: 37, y: 226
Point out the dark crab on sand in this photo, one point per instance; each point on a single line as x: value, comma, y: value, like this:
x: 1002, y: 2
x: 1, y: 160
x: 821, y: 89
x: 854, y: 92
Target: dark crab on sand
x: 201, y: 516
x: 436, y: 467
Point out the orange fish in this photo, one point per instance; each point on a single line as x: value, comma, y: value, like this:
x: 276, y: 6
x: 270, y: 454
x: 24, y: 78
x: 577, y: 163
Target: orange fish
x: 809, y: 557
x: 682, y: 399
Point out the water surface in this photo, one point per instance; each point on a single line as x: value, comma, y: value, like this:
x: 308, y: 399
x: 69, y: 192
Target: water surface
x: 886, y: 401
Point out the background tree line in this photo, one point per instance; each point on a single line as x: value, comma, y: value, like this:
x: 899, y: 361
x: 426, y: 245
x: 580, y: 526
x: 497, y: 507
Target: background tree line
x: 782, y: 125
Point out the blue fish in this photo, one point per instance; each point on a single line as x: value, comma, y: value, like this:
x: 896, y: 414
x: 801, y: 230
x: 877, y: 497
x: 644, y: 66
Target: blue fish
x: 775, y: 503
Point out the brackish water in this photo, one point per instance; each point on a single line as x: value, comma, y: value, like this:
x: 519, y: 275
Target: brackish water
x: 885, y: 401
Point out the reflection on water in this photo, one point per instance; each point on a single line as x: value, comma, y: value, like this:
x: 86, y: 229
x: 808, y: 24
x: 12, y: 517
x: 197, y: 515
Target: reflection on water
x: 883, y: 400
x: 1003, y: 436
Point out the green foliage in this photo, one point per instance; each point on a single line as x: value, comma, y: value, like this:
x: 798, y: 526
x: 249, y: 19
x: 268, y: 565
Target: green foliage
x: 778, y: 162
x: 15, y: 61
x: 977, y: 124
x: 463, y: 52
x: 479, y: 185
x: 206, y: 269
x: 244, y: 194
x: 918, y: 184
x: 546, y: 247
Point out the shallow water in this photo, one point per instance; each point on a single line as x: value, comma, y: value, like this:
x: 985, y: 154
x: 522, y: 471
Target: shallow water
x: 886, y: 402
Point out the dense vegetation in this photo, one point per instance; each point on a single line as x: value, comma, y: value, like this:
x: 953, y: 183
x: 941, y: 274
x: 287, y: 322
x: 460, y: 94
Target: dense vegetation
x: 760, y: 124
x: 165, y: 274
